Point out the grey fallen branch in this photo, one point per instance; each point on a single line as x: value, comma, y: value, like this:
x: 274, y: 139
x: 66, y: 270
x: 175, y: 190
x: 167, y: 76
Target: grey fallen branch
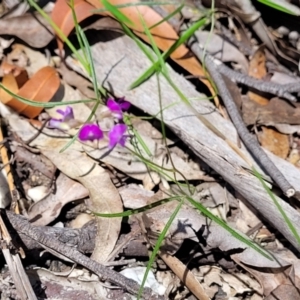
x: 281, y: 90
x: 23, y: 226
x: 84, y: 241
x: 250, y: 142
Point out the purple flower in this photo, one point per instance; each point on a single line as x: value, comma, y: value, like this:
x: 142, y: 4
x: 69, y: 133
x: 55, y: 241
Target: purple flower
x: 90, y: 132
x: 117, y: 107
x: 67, y: 115
x: 116, y: 135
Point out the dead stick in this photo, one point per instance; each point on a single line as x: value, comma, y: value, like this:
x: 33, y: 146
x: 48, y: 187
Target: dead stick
x: 23, y: 226
x: 250, y: 142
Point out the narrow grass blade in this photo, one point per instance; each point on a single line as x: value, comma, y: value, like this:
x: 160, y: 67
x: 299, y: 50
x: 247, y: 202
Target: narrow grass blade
x: 156, y: 66
x: 220, y: 222
x: 158, y: 244
x: 168, y: 17
x: 58, y: 32
x: 116, y: 12
x: 41, y: 104
x: 286, y: 219
x: 131, y: 212
x: 136, y: 4
x: 92, y: 73
x: 283, y: 6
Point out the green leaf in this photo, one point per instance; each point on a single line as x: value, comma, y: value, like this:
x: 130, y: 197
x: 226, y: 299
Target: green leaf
x: 135, y: 4
x: 168, y: 17
x: 116, y: 12
x: 281, y: 6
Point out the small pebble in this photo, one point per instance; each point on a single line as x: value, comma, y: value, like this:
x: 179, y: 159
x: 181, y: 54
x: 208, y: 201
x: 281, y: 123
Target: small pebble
x: 293, y: 35
x: 283, y: 30
x: 37, y: 193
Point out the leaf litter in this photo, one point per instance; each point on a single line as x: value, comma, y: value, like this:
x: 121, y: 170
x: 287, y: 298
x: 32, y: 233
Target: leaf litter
x: 209, y: 261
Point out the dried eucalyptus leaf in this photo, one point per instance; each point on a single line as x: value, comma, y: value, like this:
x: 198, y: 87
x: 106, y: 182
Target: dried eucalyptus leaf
x: 46, y: 210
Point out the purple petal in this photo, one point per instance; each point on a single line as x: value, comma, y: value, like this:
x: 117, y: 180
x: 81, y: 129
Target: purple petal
x: 60, y: 111
x: 90, y: 132
x: 67, y: 114
x: 113, y: 105
x: 54, y: 123
x: 124, y: 105
x: 116, y: 135
x: 58, y: 124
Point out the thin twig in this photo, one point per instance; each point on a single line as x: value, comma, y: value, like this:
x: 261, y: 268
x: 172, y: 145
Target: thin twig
x: 250, y: 142
x: 281, y: 90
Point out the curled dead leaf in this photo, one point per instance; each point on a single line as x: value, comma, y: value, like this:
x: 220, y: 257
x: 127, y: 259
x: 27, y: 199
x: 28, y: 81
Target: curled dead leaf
x: 41, y: 87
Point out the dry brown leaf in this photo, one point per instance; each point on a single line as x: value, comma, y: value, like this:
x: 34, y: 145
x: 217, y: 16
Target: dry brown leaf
x: 273, y: 279
x: 257, y: 69
x: 163, y: 34
x: 73, y: 162
x: 40, y: 88
x: 10, y: 82
x: 46, y: 210
x: 275, y: 142
x: 62, y: 16
x: 14, y: 78
x: 276, y: 112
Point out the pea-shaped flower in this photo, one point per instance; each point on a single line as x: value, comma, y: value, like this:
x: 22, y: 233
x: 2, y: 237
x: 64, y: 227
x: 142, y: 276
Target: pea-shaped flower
x: 65, y: 121
x: 117, y: 107
x: 117, y: 135
x: 90, y: 132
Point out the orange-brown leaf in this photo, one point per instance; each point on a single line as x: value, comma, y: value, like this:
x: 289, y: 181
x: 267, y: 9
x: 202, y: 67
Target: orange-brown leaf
x: 9, y: 81
x: 63, y: 18
x: 257, y: 69
x: 41, y: 87
x: 163, y: 34
x: 275, y: 142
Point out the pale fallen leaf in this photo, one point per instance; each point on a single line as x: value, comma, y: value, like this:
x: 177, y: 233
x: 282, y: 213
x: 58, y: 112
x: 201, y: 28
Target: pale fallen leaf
x: 283, y: 78
x: 80, y: 220
x: 4, y: 44
x: 277, y: 111
x: 245, y: 218
x: 221, y: 49
x: 35, y: 30
x: 134, y: 196
x: 210, y: 278
x: 5, y: 196
x: 287, y: 129
x: 137, y: 274
x: 104, y: 197
x: 48, y: 209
